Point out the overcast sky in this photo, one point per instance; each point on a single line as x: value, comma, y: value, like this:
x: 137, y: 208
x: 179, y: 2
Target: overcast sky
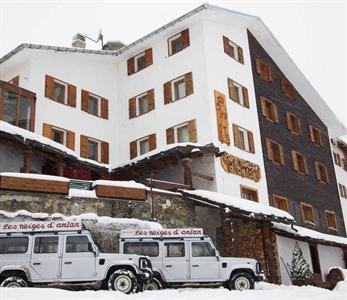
x: 312, y: 31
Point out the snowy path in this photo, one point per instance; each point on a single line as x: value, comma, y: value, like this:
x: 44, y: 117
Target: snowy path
x: 263, y: 292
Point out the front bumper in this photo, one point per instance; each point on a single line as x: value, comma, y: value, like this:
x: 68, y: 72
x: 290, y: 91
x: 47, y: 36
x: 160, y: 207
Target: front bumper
x: 145, y: 276
x: 260, y: 277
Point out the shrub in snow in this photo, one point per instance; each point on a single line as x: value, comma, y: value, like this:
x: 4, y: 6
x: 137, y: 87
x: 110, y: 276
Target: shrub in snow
x: 299, y: 268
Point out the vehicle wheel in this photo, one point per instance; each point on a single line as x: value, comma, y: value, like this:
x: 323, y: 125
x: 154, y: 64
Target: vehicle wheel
x: 242, y: 281
x: 14, y: 282
x: 123, y: 281
x: 152, y: 285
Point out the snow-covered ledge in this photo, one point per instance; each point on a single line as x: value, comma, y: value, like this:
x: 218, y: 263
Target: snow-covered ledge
x: 34, y: 183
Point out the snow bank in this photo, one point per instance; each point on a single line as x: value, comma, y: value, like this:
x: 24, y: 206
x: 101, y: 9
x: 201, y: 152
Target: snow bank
x: 240, y: 203
x: 341, y: 286
x: 305, y: 232
x: 81, y: 193
x: 35, y: 176
x: 125, y: 184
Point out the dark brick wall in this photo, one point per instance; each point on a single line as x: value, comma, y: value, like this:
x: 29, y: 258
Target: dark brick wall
x: 284, y: 180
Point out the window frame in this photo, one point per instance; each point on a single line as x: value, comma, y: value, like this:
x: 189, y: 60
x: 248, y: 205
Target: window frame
x: 315, y: 130
x: 267, y: 76
x: 331, y: 213
x: 252, y: 190
x: 66, y: 86
x: 281, y: 152
x: 166, y: 250
x: 176, y: 129
x: 16, y: 237
x: 61, y: 130
x: 274, y: 111
x: 74, y: 236
x: 304, y: 205
x: 318, y: 167
x: 138, y: 145
x: 136, y: 61
x: 277, y: 198
x: 235, y: 52
x: 290, y: 117
x: 174, y: 85
x: 298, y: 154
x: 42, y: 237
x: 137, y: 104
x: 140, y: 244
x: 91, y: 140
x: 98, y: 100
x: 172, y: 39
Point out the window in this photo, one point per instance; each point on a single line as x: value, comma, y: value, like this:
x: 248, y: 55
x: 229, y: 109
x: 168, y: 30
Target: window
x: 94, y: 149
x: 243, y: 139
x: 287, y: 88
x: 46, y: 244
x: 299, y: 162
x: 330, y: 218
x: 143, y: 145
x: 275, y: 152
x: 94, y: 105
x: 269, y: 110
x: 202, y: 249
x: 140, y: 61
x: 280, y: 202
x: 307, y: 213
x: 337, y: 159
x: 141, y: 104
x: 59, y: 135
x: 315, y: 135
x: 150, y: 249
x: 233, y: 50
x: 76, y: 243
x: 248, y: 193
x: 17, y: 106
x: 11, y: 245
x: 174, y: 249
x: 178, y: 42
x: 343, y: 190
x: 182, y: 133
x: 60, y: 91
x: 263, y: 69
x: 293, y: 123
x: 238, y: 93
x: 321, y: 172
x: 178, y: 88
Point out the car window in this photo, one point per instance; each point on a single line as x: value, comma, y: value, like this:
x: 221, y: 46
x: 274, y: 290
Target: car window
x: 174, y: 249
x: 202, y: 249
x: 9, y: 245
x: 150, y: 249
x: 46, y: 244
x: 78, y: 243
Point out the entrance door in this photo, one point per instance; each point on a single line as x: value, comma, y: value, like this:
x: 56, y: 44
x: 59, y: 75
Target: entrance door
x: 204, y: 265
x: 315, y: 261
x: 175, y: 262
x: 45, y: 259
x: 78, y: 262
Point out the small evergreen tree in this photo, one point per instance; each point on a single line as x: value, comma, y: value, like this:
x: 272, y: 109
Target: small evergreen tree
x: 299, y: 268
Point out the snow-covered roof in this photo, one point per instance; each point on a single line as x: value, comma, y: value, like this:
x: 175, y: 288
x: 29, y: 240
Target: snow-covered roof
x: 235, y: 202
x: 309, y: 233
x: 259, y: 30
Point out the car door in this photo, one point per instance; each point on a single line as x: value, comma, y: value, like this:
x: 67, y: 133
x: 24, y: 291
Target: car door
x: 175, y: 261
x: 204, y: 265
x: 78, y: 262
x: 45, y: 258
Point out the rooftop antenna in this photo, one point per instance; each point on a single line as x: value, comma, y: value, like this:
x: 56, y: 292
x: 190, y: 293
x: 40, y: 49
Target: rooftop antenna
x: 98, y: 39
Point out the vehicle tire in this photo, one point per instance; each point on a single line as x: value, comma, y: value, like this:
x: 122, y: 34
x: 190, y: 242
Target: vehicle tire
x: 242, y: 281
x: 14, y: 282
x: 123, y: 281
x: 153, y: 285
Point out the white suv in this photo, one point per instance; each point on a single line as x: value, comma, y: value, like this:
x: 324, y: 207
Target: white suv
x: 69, y: 257
x: 187, y: 257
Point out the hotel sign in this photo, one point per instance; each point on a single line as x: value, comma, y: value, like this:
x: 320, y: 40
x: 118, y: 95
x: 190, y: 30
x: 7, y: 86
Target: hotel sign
x: 240, y: 167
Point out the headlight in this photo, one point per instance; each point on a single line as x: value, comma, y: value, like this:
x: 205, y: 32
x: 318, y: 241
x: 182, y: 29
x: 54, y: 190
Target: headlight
x: 145, y: 263
x: 259, y: 267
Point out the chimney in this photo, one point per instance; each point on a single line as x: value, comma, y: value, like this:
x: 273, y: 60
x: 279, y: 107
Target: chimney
x: 79, y: 41
x: 113, y: 45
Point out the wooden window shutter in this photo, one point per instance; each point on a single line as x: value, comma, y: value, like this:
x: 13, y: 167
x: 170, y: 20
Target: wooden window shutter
x: 84, y: 100
x: 240, y: 54
x: 84, y: 146
x: 306, y: 166
x: 283, y: 162
x: 227, y: 47
x: 188, y: 78
x: 245, y: 96
x: 263, y: 106
x: 132, y: 108
x: 270, y: 154
x: 236, y: 136
x: 185, y: 38
x: 170, y: 135
x: 258, y: 65
x: 104, y: 108
x: 149, y: 57
x: 133, y: 149
x: 275, y: 113
x: 105, y: 152
x: 251, y: 142
x: 311, y: 133
x: 232, y: 91
x: 192, y: 131
x: 289, y: 121
x: 49, y: 87
x: 295, y: 161
x: 47, y: 130
x: 71, y: 95
x: 151, y: 102
x: 269, y: 72
x: 152, y: 141
x: 70, y: 140
x: 131, y: 66
x: 318, y: 175
x: 167, y: 92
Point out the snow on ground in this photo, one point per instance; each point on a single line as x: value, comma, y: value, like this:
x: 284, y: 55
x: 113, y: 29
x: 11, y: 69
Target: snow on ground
x: 264, y: 291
